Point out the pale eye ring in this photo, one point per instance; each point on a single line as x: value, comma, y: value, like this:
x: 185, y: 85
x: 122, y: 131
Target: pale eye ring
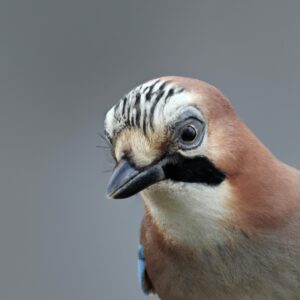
x: 189, y: 134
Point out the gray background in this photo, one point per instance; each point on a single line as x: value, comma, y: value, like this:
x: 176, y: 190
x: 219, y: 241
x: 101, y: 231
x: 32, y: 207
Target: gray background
x: 63, y: 63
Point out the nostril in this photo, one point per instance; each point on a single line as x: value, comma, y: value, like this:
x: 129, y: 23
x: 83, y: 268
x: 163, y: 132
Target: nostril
x: 121, y: 155
x: 126, y: 156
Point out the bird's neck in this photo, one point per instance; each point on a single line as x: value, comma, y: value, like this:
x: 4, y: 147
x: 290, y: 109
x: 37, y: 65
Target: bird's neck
x: 265, y: 192
x: 195, y: 214
x: 189, y: 213
x: 259, y: 194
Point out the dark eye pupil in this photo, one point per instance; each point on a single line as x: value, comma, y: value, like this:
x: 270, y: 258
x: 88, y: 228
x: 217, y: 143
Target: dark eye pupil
x: 188, y: 134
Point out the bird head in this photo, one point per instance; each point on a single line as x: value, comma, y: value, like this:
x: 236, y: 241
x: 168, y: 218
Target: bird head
x: 179, y: 142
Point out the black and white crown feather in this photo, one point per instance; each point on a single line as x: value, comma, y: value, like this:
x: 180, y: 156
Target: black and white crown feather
x: 147, y: 106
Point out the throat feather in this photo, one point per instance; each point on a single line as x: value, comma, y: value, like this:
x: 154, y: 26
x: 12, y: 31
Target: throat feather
x: 190, y: 213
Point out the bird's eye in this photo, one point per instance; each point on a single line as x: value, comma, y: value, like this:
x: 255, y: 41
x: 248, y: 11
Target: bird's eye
x: 188, y: 133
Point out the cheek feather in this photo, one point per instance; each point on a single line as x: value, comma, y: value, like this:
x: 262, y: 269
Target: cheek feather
x: 142, y: 150
x: 194, y: 170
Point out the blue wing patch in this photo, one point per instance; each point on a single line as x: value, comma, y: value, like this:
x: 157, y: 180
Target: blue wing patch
x: 142, y: 270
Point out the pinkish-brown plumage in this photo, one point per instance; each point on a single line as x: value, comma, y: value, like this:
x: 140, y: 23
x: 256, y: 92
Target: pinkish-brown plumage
x: 239, y: 239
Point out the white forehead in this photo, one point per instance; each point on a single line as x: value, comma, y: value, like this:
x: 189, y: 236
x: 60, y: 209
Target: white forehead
x: 150, y: 106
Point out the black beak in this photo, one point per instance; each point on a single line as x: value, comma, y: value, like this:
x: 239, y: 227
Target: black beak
x: 127, y: 181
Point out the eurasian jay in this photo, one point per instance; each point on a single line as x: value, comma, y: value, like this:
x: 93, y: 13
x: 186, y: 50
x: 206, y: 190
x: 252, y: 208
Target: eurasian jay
x: 222, y: 213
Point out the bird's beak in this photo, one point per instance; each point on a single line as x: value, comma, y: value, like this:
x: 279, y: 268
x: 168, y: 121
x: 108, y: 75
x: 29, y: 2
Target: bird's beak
x: 127, y: 181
